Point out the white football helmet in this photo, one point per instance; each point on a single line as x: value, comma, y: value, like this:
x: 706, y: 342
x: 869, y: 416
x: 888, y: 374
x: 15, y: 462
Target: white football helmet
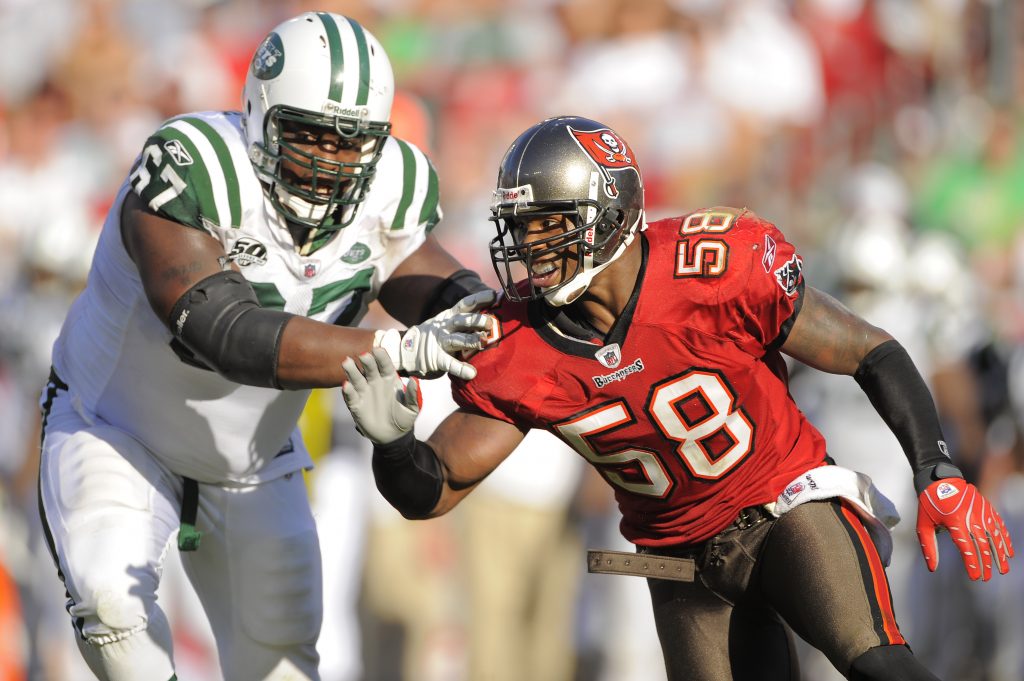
x: 323, y: 70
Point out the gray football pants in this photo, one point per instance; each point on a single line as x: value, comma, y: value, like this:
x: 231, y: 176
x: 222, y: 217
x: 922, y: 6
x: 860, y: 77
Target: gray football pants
x: 815, y: 568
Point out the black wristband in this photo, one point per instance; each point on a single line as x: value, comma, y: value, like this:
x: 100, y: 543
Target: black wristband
x: 408, y: 474
x: 899, y: 394
x: 453, y: 289
x: 924, y: 478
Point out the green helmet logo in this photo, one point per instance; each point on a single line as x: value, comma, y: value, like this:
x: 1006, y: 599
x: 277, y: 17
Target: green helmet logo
x: 268, y: 62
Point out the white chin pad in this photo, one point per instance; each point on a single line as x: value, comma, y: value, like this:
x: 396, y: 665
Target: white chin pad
x: 579, y: 283
x: 571, y: 291
x: 300, y: 207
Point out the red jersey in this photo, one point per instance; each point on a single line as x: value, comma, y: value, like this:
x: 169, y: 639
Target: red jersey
x: 685, y: 406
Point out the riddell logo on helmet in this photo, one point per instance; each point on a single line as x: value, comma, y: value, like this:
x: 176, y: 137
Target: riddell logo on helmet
x: 336, y: 109
x: 517, y: 195
x: 609, y: 152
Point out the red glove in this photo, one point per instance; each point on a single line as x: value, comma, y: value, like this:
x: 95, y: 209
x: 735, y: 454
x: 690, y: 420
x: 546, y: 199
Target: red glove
x: 974, y: 525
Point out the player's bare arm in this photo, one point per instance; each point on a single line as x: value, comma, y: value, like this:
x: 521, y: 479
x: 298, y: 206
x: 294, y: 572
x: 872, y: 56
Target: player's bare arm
x: 426, y: 282
x: 171, y: 257
x: 421, y: 479
x: 273, y: 349
x: 469, y: 446
x: 829, y: 337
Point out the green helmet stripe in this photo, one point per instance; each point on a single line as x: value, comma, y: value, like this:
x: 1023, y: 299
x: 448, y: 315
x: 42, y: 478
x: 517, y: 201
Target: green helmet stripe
x: 226, y: 164
x: 429, y: 213
x: 363, y: 96
x: 408, y: 184
x: 220, y: 196
x: 337, y: 56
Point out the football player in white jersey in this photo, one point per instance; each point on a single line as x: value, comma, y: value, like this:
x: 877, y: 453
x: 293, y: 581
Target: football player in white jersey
x: 241, y: 250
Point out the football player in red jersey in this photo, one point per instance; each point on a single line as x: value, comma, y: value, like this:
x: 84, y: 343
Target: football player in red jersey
x: 654, y: 350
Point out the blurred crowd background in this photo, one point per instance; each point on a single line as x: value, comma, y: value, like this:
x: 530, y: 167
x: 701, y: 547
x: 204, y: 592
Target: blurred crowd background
x: 882, y: 136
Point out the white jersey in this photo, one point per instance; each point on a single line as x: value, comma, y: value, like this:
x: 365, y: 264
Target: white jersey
x: 121, y: 363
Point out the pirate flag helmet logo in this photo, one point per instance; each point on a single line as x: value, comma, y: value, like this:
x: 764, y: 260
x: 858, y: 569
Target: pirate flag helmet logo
x: 608, y: 151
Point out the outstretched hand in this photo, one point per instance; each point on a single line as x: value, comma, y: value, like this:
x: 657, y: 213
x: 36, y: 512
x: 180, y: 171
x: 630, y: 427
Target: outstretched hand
x: 974, y: 526
x: 430, y: 349
x: 382, y: 407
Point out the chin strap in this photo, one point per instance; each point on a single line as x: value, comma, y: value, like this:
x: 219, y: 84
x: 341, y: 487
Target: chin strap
x: 575, y: 287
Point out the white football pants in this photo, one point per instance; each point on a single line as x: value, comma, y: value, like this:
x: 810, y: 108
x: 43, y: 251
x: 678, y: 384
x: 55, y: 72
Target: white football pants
x: 112, y: 510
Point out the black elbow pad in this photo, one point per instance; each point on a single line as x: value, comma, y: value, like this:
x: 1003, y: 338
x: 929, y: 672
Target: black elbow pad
x: 221, y: 321
x: 408, y: 474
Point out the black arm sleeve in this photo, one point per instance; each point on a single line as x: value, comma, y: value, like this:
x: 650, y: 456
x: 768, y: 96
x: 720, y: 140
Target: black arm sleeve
x: 408, y: 474
x: 453, y: 289
x: 899, y: 394
x: 221, y: 321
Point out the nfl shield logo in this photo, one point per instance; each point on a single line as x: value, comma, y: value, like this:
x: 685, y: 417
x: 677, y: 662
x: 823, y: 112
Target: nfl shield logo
x: 609, y: 355
x: 310, y: 270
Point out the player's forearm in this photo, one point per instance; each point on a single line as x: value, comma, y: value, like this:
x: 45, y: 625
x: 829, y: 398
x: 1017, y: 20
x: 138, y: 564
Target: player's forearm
x: 220, y: 321
x: 900, y: 396
x: 412, y: 299
x: 830, y: 337
x: 311, y: 353
x: 428, y: 281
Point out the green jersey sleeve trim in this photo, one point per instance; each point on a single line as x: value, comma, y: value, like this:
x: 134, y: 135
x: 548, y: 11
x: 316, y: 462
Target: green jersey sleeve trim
x: 225, y: 163
x: 186, y: 174
x: 429, y: 214
x: 417, y: 186
x: 223, y: 185
x: 268, y: 295
x: 408, y: 184
x: 166, y: 178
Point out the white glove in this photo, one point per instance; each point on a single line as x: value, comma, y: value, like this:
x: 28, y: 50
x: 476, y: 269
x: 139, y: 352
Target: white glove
x: 383, y: 409
x: 428, y: 348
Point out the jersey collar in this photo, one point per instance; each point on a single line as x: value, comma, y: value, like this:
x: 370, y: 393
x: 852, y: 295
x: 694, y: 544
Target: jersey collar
x: 559, y: 330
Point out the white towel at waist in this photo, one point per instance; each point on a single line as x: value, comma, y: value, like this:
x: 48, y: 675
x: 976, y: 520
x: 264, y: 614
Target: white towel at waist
x: 829, y: 482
